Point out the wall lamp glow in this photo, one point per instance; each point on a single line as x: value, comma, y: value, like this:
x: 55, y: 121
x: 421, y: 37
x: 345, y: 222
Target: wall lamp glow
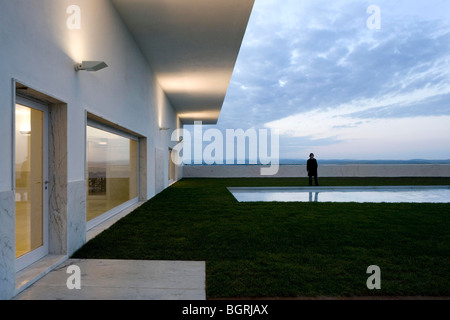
x: 90, y: 66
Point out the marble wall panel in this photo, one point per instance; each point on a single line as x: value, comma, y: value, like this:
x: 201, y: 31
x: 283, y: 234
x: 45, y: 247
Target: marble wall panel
x: 76, y: 228
x: 159, y: 170
x: 7, y: 245
x: 58, y: 179
x: 143, y: 179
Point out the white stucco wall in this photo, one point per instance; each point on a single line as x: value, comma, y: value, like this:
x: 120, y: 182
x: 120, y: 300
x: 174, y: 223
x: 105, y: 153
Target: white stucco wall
x: 39, y: 50
x: 294, y: 171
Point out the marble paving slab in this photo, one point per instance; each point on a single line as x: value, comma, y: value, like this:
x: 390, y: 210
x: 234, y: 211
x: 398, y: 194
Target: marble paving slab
x: 122, y: 280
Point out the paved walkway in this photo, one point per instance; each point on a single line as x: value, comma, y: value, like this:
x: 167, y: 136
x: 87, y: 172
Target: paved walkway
x: 122, y: 280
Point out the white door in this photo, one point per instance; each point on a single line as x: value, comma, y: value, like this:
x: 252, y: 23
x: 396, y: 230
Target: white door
x: 31, y: 181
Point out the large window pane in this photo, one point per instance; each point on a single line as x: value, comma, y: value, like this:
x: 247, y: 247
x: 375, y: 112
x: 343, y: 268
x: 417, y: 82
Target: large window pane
x: 112, y: 171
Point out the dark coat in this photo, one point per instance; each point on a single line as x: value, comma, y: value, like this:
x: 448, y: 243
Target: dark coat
x: 311, y: 167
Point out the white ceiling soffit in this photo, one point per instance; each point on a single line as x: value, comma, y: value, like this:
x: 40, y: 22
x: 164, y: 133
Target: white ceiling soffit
x: 192, y: 47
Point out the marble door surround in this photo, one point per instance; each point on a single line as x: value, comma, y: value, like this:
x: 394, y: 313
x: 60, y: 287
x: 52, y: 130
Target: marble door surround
x: 64, y: 236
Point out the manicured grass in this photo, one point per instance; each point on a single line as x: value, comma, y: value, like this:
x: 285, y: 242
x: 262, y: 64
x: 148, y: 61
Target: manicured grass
x: 289, y: 249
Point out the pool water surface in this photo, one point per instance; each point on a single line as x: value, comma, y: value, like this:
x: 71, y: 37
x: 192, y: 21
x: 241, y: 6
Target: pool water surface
x: 390, y: 194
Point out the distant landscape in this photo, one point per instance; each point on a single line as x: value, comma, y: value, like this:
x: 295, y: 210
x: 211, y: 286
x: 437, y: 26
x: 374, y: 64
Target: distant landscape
x: 354, y: 161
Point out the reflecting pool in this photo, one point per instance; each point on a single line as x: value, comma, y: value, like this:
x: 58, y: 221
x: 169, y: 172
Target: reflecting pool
x: 391, y: 194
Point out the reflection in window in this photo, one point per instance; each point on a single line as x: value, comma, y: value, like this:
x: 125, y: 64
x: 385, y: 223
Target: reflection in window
x: 112, y: 171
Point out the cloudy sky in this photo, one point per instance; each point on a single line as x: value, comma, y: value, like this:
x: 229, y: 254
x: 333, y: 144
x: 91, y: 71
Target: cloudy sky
x: 333, y: 83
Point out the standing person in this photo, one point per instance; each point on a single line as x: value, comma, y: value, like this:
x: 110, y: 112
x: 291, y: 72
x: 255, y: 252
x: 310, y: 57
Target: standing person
x: 311, y: 167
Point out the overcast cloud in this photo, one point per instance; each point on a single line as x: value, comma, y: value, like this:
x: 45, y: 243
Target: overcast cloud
x: 315, y: 71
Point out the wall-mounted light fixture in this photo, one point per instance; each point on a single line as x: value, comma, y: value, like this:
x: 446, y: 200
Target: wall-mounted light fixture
x: 164, y: 129
x: 90, y: 66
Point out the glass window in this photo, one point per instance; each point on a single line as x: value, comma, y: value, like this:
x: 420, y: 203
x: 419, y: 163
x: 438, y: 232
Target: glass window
x: 112, y: 171
x: 29, y: 153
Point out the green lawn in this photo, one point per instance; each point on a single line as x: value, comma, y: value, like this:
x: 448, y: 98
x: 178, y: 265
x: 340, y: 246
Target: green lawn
x: 289, y: 249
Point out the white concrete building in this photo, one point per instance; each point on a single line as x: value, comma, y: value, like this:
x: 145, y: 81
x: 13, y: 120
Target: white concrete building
x: 80, y: 146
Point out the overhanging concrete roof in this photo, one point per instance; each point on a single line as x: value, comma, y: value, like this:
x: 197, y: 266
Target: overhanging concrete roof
x: 192, y: 47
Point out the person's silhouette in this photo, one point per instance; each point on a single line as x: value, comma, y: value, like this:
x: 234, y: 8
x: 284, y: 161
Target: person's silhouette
x: 312, y: 167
